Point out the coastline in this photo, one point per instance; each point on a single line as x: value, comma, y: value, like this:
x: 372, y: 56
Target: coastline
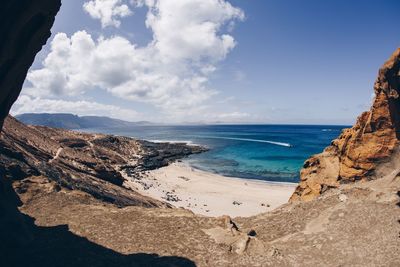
x: 210, y: 194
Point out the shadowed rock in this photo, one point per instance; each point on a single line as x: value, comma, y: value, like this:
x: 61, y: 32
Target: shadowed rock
x: 24, y: 29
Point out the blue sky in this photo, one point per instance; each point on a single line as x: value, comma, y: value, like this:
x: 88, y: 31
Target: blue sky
x: 255, y: 61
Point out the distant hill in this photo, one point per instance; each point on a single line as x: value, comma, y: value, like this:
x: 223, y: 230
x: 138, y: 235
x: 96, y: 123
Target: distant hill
x: 70, y: 121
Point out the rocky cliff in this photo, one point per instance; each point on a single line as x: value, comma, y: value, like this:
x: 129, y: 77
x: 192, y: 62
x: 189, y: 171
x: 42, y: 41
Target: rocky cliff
x: 24, y: 28
x: 359, y: 151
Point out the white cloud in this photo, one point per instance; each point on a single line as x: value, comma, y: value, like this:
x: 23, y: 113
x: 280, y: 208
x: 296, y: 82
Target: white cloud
x: 171, y: 72
x: 109, y: 12
x: 27, y: 104
x: 189, y: 30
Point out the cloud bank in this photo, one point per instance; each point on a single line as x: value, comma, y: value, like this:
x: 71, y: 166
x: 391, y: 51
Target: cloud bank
x: 171, y: 73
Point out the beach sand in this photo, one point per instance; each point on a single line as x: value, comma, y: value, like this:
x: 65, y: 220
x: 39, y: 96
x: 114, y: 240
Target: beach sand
x: 210, y: 194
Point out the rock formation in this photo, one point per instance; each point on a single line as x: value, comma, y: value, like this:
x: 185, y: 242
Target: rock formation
x: 359, y: 151
x: 91, y: 163
x: 24, y: 28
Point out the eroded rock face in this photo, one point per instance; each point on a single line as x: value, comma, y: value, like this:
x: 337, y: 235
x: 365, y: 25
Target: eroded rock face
x: 24, y: 28
x: 358, y: 151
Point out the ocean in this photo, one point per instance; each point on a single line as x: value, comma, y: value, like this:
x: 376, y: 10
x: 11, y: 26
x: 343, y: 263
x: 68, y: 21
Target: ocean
x: 265, y: 152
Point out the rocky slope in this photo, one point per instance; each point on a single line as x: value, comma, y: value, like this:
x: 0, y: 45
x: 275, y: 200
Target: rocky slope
x: 359, y: 152
x: 91, y: 163
x: 352, y: 225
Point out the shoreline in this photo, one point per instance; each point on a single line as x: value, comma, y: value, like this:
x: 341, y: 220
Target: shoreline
x: 238, y: 177
x: 209, y: 194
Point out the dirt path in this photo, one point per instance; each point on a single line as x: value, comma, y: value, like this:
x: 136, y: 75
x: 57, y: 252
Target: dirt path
x: 57, y: 154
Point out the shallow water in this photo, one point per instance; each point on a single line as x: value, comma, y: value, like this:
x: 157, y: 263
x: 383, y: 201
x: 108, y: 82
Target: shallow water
x: 265, y: 152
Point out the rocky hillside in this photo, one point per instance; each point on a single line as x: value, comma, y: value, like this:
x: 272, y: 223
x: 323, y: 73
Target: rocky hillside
x: 91, y: 163
x: 363, y: 152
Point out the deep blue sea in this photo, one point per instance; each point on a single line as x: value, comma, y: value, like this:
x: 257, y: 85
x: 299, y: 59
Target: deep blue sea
x: 265, y: 152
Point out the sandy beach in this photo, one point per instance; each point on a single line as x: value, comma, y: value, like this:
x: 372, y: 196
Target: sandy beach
x: 210, y: 194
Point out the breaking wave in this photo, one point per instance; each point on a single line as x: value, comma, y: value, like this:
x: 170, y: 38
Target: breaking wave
x: 248, y: 140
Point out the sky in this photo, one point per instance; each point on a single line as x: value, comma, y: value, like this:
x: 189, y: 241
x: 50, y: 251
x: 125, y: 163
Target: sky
x: 213, y: 61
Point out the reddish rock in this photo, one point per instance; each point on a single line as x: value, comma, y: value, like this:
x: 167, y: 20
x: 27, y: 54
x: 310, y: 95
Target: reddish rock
x: 357, y: 152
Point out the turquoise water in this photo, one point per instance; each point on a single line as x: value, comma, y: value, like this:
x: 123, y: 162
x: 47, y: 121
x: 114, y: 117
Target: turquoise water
x: 265, y: 152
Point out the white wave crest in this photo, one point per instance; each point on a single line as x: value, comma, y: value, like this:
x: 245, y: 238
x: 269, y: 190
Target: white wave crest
x: 249, y: 140
x: 187, y: 142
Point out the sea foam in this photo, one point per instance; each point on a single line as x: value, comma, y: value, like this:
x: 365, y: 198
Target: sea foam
x: 248, y: 140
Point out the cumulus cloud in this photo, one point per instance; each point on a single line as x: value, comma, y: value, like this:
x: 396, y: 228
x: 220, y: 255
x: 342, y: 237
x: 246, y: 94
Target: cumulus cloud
x: 109, y: 12
x: 171, y: 72
x: 189, y: 30
x: 27, y: 104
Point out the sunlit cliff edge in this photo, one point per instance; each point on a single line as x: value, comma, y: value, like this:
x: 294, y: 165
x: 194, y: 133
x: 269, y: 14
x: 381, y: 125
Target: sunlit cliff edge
x: 367, y: 150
